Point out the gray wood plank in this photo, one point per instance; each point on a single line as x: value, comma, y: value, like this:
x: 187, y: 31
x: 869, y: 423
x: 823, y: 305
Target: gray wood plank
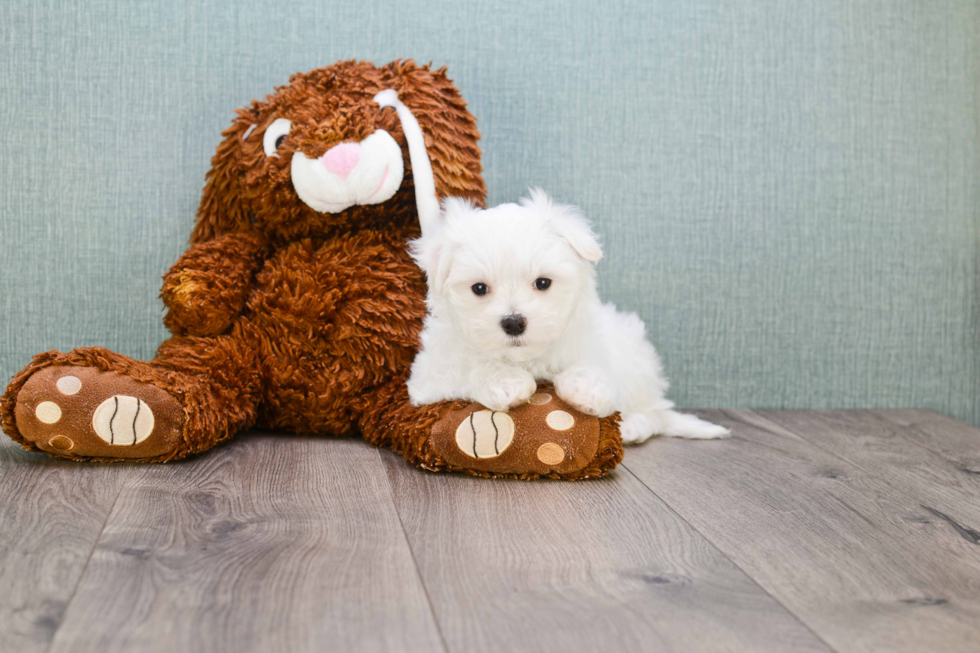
x: 862, y: 564
x: 952, y: 439
x: 272, y: 543
x: 893, y: 453
x: 592, y: 566
x: 51, y: 515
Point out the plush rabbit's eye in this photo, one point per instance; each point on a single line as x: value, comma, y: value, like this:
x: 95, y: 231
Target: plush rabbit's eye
x: 480, y: 289
x: 275, y: 135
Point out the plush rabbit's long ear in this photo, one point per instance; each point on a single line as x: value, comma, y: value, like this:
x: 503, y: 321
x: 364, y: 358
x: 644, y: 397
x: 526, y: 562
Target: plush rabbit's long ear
x: 221, y: 209
x: 446, y: 135
x: 425, y: 185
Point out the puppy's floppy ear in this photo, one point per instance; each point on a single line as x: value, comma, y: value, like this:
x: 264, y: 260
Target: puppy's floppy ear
x: 434, y: 251
x: 568, y: 222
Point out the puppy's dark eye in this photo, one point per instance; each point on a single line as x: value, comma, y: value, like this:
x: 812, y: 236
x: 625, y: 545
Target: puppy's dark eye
x: 542, y: 283
x: 480, y: 289
x: 279, y: 141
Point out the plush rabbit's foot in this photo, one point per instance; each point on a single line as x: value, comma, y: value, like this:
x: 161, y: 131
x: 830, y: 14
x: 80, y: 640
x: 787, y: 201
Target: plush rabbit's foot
x: 82, y: 412
x: 544, y: 437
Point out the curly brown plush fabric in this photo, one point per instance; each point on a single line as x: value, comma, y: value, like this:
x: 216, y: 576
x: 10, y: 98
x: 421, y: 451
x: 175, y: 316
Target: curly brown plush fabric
x: 283, y: 316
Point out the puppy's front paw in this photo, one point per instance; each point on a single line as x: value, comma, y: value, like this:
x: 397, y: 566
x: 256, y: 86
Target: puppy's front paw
x: 588, y: 389
x: 507, y: 389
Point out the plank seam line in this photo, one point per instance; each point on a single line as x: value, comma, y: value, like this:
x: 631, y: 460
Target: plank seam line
x: 411, y: 552
x: 707, y: 539
x: 88, y: 559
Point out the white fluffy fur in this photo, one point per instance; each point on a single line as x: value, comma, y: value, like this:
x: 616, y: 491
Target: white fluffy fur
x: 598, y: 358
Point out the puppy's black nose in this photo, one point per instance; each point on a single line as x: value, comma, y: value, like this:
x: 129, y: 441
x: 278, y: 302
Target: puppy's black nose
x: 514, y: 325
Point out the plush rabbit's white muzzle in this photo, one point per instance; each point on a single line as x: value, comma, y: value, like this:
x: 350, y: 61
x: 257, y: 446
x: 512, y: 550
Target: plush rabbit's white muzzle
x: 368, y: 172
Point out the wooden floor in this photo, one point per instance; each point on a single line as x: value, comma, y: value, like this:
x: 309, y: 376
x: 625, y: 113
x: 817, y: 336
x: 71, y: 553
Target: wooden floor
x: 806, y: 531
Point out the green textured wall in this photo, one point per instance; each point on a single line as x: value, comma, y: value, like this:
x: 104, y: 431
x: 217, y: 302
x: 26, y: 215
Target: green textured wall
x: 789, y: 192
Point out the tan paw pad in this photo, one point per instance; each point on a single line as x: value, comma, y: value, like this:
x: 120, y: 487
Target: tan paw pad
x: 539, y: 398
x: 123, y: 420
x: 551, y: 454
x: 61, y: 443
x: 559, y: 420
x: 485, y: 434
x: 48, y: 412
x: 69, y: 385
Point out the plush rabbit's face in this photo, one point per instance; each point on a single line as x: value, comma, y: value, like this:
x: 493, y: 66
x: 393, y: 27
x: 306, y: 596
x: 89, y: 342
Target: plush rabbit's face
x: 333, y: 169
x: 321, y: 155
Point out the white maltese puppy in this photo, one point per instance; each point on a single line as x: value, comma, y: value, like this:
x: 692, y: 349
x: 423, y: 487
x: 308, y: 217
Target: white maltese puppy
x: 512, y: 300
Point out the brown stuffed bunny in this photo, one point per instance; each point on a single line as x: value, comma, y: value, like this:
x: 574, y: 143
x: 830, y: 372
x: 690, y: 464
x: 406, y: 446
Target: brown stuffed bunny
x: 297, y: 307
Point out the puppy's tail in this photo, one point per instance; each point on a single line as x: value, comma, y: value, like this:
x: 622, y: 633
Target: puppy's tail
x: 640, y: 426
x: 679, y: 425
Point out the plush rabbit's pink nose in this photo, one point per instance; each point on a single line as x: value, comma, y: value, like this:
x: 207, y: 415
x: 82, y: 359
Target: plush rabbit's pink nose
x: 341, y: 159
